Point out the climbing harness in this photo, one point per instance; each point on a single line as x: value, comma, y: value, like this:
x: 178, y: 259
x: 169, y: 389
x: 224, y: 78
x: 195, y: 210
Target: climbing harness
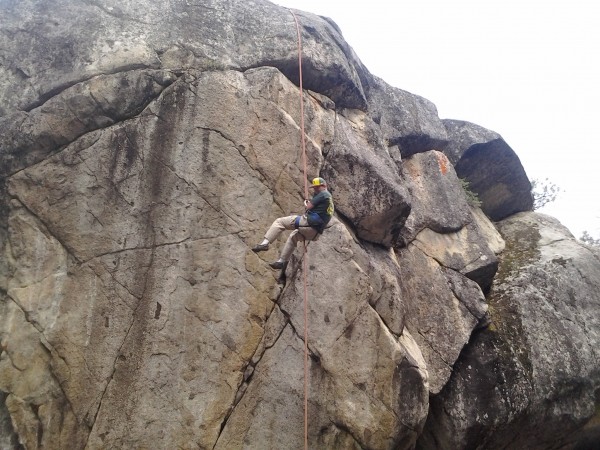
x: 314, y: 221
x: 305, y: 258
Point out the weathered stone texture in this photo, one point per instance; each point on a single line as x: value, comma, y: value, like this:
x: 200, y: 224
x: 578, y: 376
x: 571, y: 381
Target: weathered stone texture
x: 149, y: 218
x: 141, y: 280
x: 75, y: 41
x: 368, y: 385
x: 97, y: 103
x: 145, y: 148
x: 437, y: 199
x: 442, y: 309
x: 368, y: 188
x: 443, y: 225
x: 530, y: 379
x: 491, y: 167
x: 408, y: 121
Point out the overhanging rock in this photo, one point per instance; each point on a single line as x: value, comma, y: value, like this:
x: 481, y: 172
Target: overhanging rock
x: 531, y: 378
x: 114, y: 37
x: 407, y: 120
x: 492, y: 168
x: 368, y: 189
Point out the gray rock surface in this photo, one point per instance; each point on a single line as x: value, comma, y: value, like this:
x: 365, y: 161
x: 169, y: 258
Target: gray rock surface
x: 76, y: 41
x: 437, y: 199
x: 369, y: 191
x: 443, y: 308
x: 443, y: 225
x: 408, y: 121
x: 152, y: 300
x: 29, y: 137
x: 360, y: 370
x: 491, y: 167
x: 144, y: 149
x: 111, y: 213
x: 531, y: 379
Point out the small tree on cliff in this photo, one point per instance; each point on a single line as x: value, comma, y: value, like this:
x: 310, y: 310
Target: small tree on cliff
x: 588, y: 239
x: 544, y: 192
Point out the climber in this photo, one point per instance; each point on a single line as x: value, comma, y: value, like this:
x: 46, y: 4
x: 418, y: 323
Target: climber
x: 308, y: 226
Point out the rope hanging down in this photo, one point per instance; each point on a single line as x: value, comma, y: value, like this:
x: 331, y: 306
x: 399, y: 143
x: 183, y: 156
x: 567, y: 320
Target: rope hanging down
x: 305, y: 258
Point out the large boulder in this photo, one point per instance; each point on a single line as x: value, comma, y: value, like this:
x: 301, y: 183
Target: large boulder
x: 532, y: 377
x: 442, y: 309
x: 367, y: 382
x: 492, y: 169
x: 438, y: 201
x: 131, y: 274
x: 407, y: 121
x: 367, y: 186
x: 69, y: 42
x: 443, y: 225
x: 145, y: 148
x: 95, y: 231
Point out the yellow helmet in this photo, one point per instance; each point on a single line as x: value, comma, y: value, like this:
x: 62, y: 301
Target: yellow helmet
x: 318, y: 182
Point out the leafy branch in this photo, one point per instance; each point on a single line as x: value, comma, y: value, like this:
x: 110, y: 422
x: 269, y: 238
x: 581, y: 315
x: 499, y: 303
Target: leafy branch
x: 472, y: 197
x: 544, y: 192
x: 588, y: 239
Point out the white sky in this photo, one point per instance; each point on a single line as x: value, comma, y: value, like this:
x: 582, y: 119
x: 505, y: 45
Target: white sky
x: 526, y: 69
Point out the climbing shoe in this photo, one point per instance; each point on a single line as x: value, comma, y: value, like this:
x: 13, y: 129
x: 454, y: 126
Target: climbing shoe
x: 260, y: 248
x: 279, y: 265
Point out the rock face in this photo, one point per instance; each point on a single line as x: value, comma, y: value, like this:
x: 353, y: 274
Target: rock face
x: 78, y: 41
x: 515, y: 383
x: 369, y: 190
x: 406, y: 120
x: 491, y: 167
x: 144, y: 149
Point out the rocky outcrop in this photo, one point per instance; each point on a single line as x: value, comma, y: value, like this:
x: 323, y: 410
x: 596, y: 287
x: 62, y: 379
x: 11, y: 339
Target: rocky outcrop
x: 407, y: 121
x: 110, y: 214
x: 369, y: 190
x: 103, y: 295
x: 492, y: 169
x: 81, y: 40
x: 531, y: 379
x: 443, y: 225
x: 29, y: 137
x: 438, y: 201
x: 359, y: 366
x: 145, y: 149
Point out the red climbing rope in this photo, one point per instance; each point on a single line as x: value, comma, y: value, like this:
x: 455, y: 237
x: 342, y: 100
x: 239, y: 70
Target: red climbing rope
x: 305, y: 259
x: 301, y: 106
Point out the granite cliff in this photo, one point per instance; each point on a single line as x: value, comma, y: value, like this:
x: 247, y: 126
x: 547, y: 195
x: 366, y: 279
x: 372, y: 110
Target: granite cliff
x: 145, y: 147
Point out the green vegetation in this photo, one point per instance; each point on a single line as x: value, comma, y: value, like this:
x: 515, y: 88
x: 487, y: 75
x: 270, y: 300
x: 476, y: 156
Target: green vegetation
x: 521, y: 250
x: 516, y: 263
x: 472, y: 197
x: 212, y: 65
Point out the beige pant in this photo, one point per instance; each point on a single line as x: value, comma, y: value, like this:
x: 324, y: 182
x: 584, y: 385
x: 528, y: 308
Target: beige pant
x: 305, y: 232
